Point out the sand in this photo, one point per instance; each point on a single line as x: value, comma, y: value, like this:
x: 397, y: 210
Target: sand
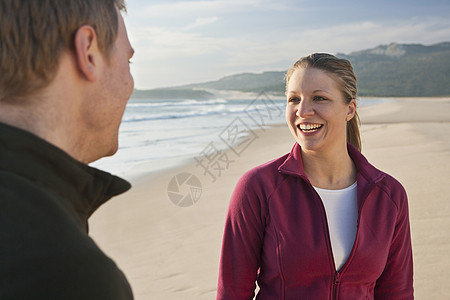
x: 172, y: 252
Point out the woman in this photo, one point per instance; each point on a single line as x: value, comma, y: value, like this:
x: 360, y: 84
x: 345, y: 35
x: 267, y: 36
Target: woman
x: 319, y: 222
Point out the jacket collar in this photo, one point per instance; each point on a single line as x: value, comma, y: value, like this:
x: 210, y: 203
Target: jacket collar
x: 84, y: 188
x: 293, y: 165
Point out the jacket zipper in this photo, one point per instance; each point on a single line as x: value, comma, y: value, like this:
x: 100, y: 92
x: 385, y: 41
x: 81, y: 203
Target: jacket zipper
x: 337, y: 274
x: 336, y: 282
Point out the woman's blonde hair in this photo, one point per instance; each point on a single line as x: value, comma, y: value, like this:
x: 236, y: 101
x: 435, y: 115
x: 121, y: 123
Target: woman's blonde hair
x: 342, y: 71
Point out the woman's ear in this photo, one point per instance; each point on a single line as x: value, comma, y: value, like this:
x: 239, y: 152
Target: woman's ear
x: 351, y: 110
x: 87, y: 53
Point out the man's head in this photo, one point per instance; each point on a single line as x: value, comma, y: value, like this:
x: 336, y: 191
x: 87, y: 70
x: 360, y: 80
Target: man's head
x: 106, y: 95
x: 65, y: 73
x: 34, y: 34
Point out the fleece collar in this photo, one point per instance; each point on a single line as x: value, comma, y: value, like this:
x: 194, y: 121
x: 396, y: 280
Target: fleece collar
x: 83, y: 187
x: 293, y: 165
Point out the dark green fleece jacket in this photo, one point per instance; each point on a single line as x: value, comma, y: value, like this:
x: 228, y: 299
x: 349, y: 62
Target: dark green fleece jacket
x: 46, y: 198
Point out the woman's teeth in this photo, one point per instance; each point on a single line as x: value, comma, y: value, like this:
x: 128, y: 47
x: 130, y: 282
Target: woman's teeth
x: 309, y: 127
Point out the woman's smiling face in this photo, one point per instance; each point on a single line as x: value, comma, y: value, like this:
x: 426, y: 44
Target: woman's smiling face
x: 316, y: 111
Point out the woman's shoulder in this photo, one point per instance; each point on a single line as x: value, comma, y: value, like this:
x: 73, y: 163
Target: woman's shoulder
x: 256, y: 185
x: 372, y: 174
x: 393, y: 187
x: 268, y: 169
x: 386, y: 182
x: 264, y: 177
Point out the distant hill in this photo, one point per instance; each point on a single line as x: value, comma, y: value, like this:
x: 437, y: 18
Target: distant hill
x: 272, y: 81
x: 394, y: 70
x: 173, y: 93
x: 403, y: 70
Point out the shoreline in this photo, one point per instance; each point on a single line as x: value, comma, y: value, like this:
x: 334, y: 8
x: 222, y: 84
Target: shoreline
x: 172, y: 252
x: 135, y: 173
x: 151, y: 141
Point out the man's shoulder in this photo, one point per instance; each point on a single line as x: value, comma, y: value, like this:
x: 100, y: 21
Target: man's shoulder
x: 45, y: 251
x: 59, y: 269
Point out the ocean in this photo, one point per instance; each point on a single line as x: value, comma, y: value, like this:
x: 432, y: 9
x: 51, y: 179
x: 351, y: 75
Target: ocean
x: 159, y: 134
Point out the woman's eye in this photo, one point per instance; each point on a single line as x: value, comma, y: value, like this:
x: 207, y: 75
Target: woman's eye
x: 319, y: 98
x: 294, y: 100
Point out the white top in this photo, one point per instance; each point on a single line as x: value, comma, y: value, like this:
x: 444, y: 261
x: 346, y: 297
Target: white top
x: 342, y: 213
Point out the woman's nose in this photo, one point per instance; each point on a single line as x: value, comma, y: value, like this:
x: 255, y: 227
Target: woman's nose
x: 305, y: 109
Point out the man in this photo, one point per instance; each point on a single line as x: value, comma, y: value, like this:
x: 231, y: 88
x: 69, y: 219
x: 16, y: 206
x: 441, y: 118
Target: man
x: 64, y: 84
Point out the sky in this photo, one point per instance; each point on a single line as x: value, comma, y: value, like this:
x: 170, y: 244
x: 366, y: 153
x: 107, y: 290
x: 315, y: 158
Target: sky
x: 182, y: 42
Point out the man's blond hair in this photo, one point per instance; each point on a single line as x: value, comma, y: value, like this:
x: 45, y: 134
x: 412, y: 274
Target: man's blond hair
x: 33, y: 35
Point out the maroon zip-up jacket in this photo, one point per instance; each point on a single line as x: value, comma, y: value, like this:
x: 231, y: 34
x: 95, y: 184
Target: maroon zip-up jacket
x: 276, y: 233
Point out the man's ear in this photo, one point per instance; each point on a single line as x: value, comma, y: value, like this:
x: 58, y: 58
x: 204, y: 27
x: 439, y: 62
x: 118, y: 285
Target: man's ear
x: 351, y: 110
x: 87, y: 53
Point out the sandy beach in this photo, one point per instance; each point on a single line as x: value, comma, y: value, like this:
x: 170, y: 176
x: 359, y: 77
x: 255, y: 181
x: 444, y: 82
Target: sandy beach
x: 172, y: 252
